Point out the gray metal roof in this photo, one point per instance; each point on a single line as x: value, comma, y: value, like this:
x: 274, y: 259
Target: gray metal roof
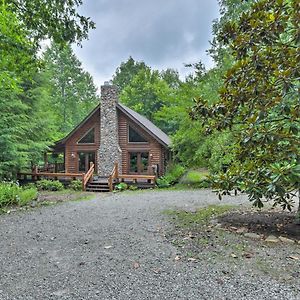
x: 147, y: 125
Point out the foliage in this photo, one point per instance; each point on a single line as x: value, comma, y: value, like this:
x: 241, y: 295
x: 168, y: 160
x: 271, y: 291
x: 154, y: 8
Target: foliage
x: 58, y: 20
x: 12, y: 194
x: 72, y: 92
x: 172, y: 176
x: 127, y: 71
x: 17, y: 63
x: 145, y: 93
x: 27, y: 195
x: 132, y: 187
x: 49, y: 185
x: 76, y: 185
x: 259, y: 103
x: 122, y: 186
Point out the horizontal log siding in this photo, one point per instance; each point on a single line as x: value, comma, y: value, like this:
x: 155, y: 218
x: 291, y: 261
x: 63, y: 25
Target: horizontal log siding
x: 73, y: 147
x: 153, y: 147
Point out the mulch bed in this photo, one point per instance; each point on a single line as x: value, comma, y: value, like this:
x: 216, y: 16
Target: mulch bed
x: 263, y: 222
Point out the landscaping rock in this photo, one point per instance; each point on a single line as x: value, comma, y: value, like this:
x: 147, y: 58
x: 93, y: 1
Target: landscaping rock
x: 242, y: 230
x: 286, y: 240
x: 272, y: 239
x: 252, y: 235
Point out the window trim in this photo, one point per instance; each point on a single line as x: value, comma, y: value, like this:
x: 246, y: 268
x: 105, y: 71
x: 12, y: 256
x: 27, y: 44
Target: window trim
x: 87, y: 132
x: 134, y: 128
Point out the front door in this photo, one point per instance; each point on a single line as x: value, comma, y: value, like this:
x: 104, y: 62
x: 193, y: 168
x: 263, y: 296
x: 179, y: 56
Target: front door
x: 138, y: 162
x: 84, y: 159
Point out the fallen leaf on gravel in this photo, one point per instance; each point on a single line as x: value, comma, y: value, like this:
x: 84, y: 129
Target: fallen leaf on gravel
x: 192, y: 259
x: 248, y: 255
x: 157, y: 270
x: 136, y: 265
x: 107, y: 247
x: 233, y: 255
x: 177, y: 257
x: 293, y: 257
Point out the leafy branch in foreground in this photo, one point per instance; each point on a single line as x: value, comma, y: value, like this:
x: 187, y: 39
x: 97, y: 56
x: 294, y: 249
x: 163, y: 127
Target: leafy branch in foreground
x: 260, y: 104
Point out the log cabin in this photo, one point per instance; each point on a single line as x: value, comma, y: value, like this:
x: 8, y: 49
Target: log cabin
x: 114, y: 136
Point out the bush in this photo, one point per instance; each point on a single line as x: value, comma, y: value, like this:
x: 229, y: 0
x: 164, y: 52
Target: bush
x: 12, y: 194
x: 27, y: 195
x: 8, y: 193
x: 49, y: 185
x: 172, y: 176
x: 76, y: 185
x: 121, y: 186
x: 133, y: 187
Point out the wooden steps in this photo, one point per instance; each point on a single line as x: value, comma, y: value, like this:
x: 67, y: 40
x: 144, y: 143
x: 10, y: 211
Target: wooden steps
x: 99, y: 185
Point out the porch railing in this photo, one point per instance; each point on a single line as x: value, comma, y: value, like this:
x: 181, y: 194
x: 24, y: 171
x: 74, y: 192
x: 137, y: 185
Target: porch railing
x: 114, y: 175
x: 87, y: 176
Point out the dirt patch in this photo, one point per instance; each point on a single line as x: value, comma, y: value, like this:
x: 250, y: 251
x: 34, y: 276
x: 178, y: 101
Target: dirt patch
x: 278, y: 223
x: 239, y: 240
x: 63, y: 196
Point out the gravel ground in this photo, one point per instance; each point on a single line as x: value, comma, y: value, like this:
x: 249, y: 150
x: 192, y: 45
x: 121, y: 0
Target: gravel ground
x: 113, y: 247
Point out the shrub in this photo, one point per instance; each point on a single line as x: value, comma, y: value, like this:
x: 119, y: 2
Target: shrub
x: 27, y: 195
x: 49, y: 185
x: 121, y: 186
x: 162, y: 182
x: 12, y: 194
x: 76, y: 185
x: 133, y: 187
x: 172, y: 176
x: 8, y: 193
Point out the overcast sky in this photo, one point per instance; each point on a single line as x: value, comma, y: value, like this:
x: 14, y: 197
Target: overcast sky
x: 162, y: 33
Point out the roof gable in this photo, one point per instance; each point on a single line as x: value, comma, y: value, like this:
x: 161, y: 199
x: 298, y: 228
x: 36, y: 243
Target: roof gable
x: 135, y: 117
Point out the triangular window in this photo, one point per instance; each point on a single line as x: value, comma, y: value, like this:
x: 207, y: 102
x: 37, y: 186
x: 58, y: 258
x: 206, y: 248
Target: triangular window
x: 135, y: 137
x: 88, y: 138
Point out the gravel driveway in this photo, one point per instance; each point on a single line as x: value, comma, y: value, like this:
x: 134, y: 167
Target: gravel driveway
x: 113, y: 247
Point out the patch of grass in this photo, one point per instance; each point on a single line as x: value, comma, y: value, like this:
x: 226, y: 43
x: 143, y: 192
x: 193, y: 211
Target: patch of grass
x: 28, y: 195
x: 194, y: 176
x: 201, y: 216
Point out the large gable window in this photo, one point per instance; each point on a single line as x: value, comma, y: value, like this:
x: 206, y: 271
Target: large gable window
x: 135, y: 137
x: 88, y: 138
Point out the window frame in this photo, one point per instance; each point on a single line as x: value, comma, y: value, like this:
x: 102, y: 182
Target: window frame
x: 87, y: 132
x: 142, y: 135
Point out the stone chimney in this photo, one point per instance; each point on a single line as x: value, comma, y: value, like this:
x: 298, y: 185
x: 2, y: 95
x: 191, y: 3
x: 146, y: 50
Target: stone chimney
x: 109, y: 151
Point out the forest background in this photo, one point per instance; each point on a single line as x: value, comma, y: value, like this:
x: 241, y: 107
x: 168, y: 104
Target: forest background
x: 239, y: 119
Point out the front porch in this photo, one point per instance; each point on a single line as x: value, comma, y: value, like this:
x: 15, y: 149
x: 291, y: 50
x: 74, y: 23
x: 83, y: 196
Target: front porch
x: 90, y: 181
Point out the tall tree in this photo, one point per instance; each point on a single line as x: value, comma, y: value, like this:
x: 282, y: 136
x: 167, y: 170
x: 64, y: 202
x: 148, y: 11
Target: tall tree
x: 17, y: 63
x: 57, y: 20
x: 126, y: 71
x: 73, y: 93
x: 146, y: 93
x: 260, y: 104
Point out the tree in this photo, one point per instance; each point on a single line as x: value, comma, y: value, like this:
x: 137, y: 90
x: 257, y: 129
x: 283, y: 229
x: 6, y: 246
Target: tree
x: 72, y: 91
x: 126, y: 72
x: 146, y: 93
x: 17, y: 62
x: 259, y: 103
x: 57, y: 20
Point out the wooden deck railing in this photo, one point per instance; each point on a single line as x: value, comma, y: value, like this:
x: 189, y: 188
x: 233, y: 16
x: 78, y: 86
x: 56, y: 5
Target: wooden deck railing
x: 135, y: 178
x: 114, y: 175
x: 87, y: 176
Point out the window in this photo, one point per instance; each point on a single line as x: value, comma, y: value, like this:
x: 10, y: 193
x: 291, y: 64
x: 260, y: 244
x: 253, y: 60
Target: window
x: 138, y: 162
x: 88, y: 138
x: 135, y: 137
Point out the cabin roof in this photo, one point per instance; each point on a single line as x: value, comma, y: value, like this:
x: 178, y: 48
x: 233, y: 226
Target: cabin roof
x: 146, y: 124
